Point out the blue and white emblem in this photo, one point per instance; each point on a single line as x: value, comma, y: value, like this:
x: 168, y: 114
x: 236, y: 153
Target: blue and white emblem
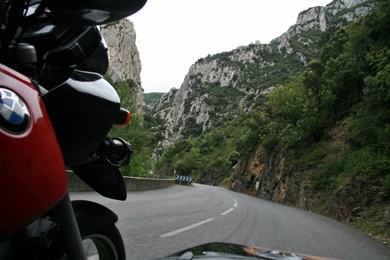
x: 14, y: 114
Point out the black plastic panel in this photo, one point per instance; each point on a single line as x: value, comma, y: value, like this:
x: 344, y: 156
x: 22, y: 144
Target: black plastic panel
x: 82, y: 111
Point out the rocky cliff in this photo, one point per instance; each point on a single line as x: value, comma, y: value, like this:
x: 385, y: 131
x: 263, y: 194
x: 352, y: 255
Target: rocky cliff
x: 282, y: 176
x: 338, y: 11
x: 220, y: 87
x: 125, y: 62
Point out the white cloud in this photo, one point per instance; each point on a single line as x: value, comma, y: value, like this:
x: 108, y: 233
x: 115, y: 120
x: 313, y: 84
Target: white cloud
x: 173, y: 34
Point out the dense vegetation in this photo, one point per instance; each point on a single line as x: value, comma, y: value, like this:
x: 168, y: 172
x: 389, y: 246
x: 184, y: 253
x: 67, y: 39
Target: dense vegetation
x: 152, y: 98
x: 212, y: 155
x: 346, y: 86
x: 135, y: 133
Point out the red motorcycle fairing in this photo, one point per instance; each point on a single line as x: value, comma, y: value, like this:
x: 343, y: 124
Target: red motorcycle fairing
x: 32, y: 171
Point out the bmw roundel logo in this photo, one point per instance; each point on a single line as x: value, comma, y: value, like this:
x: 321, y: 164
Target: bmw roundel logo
x: 14, y: 114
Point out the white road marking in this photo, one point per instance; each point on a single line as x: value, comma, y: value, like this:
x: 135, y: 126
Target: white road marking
x: 180, y: 230
x: 226, y: 212
x: 236, y: 203
x: 177, y: 231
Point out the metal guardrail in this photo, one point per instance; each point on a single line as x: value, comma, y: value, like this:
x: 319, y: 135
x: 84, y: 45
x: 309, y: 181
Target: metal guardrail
x: 183, y: 180
x: 132, y: 183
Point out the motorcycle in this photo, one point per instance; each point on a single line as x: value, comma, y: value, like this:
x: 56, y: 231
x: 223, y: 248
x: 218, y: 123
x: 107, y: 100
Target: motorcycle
x: 56, y: 110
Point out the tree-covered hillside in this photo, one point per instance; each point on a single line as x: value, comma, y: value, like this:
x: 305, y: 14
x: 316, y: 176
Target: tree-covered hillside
x: 136, y: 133
x: 150, y: 99
x: 220, y: 87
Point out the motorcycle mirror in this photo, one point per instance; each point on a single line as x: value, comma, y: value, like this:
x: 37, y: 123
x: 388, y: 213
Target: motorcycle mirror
x: 92, y: 12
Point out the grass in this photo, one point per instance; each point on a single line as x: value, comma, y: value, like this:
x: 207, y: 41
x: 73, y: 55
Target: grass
x: 375, y: 222
x: 226, y: 183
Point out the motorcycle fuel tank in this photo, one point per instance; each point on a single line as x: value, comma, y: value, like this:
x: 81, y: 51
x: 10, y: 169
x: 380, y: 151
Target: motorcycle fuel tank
x: 32, y: 171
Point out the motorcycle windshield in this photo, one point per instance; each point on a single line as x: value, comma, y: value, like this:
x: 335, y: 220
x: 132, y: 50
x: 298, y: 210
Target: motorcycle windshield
x: 92, y: 12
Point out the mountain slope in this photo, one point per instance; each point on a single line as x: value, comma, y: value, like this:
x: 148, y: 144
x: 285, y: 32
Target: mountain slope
x: 320, y: 142
x: 218, y: 88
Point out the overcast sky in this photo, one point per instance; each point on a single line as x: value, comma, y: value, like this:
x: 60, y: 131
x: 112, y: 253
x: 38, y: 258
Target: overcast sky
x: 173, y: 34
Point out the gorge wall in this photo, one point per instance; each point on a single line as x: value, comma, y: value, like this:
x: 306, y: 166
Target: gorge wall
x: 125, y: 62
x: 224, y: 86
x: 218, y: 88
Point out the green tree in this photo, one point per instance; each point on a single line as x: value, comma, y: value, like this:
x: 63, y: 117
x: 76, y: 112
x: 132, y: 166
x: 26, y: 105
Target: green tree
x: 135, y: 133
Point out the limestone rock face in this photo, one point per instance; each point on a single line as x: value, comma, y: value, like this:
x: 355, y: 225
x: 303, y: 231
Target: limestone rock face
x: 218, y: 88
x: 125, y: 62
x: 321, y: 17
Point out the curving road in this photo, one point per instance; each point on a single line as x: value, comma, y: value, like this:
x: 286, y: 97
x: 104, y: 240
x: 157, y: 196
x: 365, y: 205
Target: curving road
x: 160, y: 222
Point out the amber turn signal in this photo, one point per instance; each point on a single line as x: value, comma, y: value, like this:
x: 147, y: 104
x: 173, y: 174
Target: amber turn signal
x: 123, y: 117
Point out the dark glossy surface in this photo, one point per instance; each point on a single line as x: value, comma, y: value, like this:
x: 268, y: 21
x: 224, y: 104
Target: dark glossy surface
x: 61, y: 49
x: 234, y: 251
x: 82, y: 111
x: 93, y: 12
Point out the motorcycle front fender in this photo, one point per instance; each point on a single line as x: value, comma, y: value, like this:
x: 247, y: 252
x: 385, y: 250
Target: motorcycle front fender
x: 91, y: 215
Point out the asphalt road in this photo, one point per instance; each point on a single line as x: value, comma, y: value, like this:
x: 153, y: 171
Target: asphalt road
x: 160, y: 222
